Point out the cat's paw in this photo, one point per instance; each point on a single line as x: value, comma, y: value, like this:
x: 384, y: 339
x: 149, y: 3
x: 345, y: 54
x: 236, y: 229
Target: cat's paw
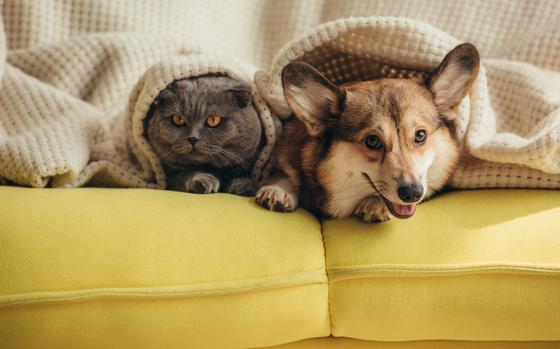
x: 277, y: 198
x: 242, y: 186
x: 372, y: 209
x: 202, y: 183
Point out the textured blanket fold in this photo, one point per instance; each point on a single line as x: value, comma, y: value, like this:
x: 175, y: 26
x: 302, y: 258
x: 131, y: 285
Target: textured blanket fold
x: 163, y: 74
x: 60, y: 131
x: 67, y: 70
x: 120, y: 152
x: 509, y: 124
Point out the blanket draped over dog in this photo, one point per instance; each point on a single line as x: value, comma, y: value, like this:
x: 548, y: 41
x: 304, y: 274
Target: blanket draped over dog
x: 77, y: 78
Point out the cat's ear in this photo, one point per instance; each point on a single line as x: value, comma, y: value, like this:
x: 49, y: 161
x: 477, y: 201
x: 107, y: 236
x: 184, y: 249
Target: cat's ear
x: 242, y: 96
x: 312, y: 97
x: 167, y: 95
x: 452, y: 80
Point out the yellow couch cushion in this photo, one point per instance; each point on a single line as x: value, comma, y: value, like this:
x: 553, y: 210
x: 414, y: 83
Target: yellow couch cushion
x: 94, y: 268
x: 480, y: 265
x: 346, y: 343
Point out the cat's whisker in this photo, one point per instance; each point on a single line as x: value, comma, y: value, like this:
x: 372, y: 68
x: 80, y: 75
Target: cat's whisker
x: 179, y: 148
x: 224, y: 154
x: 231, y: 155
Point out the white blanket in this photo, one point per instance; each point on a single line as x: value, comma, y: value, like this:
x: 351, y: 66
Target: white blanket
x: 70, y: 67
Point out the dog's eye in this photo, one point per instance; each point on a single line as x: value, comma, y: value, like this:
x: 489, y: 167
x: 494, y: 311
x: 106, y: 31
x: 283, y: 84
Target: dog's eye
x: 420, y: 137
x: 373, y: 142
x: 177, y: 120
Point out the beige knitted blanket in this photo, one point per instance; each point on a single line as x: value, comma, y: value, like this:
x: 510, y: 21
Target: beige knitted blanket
x: 68, y: 69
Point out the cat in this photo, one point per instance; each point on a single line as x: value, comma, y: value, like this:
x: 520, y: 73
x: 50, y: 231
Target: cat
x: 207, y: 134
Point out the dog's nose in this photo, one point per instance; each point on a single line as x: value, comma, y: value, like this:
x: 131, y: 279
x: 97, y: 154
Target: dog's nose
x: 193, y: 140
x: 410, y: 193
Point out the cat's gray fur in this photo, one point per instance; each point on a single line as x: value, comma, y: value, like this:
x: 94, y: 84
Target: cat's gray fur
x: 222, y: 158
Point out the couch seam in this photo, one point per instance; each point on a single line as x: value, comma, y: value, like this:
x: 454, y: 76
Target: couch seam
x: 405, y: 270
x: 331, y: 324
x: 176, y: 291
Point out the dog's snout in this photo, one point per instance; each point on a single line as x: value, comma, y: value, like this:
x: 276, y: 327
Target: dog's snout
x: 410, y: 193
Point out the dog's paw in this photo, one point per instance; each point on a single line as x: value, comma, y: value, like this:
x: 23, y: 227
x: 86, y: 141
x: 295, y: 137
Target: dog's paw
x: 242, y: 186
x: 202, y: 183
x: 277, y: 198
x: 372, y: 209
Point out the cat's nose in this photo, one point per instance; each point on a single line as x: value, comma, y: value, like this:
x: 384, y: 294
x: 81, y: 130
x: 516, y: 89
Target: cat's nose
x: 193, y: 140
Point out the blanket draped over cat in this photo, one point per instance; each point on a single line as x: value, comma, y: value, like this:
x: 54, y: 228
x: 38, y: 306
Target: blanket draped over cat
x: 164, y: 73
x: 65, y: 83
x: 120, y: 154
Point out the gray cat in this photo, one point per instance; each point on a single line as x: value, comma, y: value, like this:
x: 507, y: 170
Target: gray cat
x: 207, y: 134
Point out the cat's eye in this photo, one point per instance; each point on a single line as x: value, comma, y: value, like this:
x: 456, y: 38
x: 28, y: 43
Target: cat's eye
x: 213, y: 121
x: 420, y: 137
x: 373, y: 142
x: 177, y: 120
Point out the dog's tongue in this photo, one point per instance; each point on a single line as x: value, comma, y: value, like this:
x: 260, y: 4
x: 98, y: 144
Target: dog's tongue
x: 403, y: 211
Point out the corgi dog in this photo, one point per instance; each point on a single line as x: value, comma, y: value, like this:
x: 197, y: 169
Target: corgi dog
x: 368, y: 148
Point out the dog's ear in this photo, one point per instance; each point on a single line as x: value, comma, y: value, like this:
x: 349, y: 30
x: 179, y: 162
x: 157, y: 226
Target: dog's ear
x: 452, y: 80
x: 312, y: 97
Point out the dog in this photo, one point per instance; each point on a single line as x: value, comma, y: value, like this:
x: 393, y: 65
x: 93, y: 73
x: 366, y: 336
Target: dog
x: 368, y: 148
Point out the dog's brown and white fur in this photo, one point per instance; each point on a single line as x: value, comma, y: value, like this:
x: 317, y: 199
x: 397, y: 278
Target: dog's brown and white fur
x: 369, y: 147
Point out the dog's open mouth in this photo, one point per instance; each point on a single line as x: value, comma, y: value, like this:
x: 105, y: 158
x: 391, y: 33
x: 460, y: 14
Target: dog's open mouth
x: 397, y: 210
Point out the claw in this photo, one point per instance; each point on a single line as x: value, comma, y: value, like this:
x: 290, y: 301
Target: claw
x: 271, y: 200
x: 286, y: 203
x: 275, y: 199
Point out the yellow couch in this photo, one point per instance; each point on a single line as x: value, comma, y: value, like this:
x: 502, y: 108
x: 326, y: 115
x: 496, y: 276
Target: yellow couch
x: 125, y: 268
